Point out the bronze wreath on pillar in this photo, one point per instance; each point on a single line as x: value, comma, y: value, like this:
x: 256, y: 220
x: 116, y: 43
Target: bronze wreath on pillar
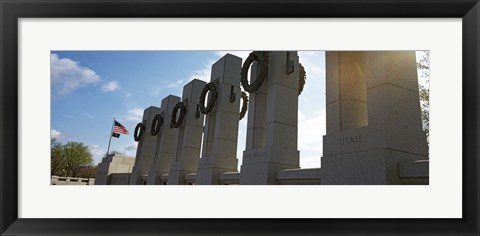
x: 302, y: 77
x: 157, y: 123
x: 262, y: 59
x: 244, y: 105
x: 138, y: 133
x: 183, y: 111
x: 213, y: 98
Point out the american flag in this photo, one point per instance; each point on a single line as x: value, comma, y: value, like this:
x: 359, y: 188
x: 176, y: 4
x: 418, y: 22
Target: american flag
x: 119, y: 128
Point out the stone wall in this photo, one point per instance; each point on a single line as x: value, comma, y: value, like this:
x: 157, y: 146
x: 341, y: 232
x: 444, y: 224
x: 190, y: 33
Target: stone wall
x: 58, y: 180
x: 113, y: 163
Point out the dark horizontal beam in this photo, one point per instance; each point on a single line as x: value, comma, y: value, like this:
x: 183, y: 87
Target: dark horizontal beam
x: 230, y: 226
x: 261, y: 9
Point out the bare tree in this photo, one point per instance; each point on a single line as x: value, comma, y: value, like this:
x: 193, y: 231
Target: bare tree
x: 424, y: 66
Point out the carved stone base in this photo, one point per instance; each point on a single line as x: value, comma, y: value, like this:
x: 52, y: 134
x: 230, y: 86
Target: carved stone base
x: 258, y: 167
x: 372, y: 167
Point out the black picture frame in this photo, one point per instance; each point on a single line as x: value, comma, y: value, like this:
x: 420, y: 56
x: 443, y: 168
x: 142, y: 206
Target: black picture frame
x: 11, y: 11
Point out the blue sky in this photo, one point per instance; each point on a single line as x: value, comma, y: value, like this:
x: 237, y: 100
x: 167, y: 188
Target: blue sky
x: 89, y: 88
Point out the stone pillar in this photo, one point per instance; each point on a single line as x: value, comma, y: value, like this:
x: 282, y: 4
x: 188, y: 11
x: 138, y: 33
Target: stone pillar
x: 221, y: 126
x: 393, y: 99
x: 369, y: 152
x: 145, y: 149
x: 272, y: 122
x: 347, y: 94
x: 165, y: 146
x: 257, y: 114
x: 189, y: 136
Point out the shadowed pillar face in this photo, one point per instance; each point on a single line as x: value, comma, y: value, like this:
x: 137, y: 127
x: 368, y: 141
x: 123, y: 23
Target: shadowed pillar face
x: 366, y: 144
x: 393, y: 89
x: 221, y: 126
x: 189, y: 138
x: 271, y: 143
x: 165, y: 144
x: 346, y: 91
x: 386, y: 81
x: 145, y: 150
x: 393, y: 100
x: 257, y: 113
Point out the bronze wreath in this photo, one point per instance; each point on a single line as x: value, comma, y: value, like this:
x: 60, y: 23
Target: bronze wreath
x: 138, y: 135
x: 183, y: 111
x: 302, y: 77
x: 213, y: 97
x: 262, y: 59
x: 157, y: 123
x: 244, y: 105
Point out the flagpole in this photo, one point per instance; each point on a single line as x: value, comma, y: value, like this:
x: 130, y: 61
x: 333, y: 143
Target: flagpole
x: 110, y: 140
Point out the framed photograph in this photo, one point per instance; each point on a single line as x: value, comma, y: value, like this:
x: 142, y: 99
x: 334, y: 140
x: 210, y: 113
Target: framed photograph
x: 91, y: 38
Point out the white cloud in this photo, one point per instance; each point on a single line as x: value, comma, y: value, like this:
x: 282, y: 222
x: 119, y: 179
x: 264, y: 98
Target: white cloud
x: 178, y: 83
x: 310, y: 139
x: 310, y: 161
x: 202, y: 74
x: 110, y: 86
x: 301, y: 116
x: 88, y: 115
x: 312, y: 116
x: 130, y: 150
x: 97, y: 153
x: 313, y: 62
x: 67, y: 75
x: 311, y: 131
x: 132, y: 146
x: 134, y: 114
x: 55, y: 134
